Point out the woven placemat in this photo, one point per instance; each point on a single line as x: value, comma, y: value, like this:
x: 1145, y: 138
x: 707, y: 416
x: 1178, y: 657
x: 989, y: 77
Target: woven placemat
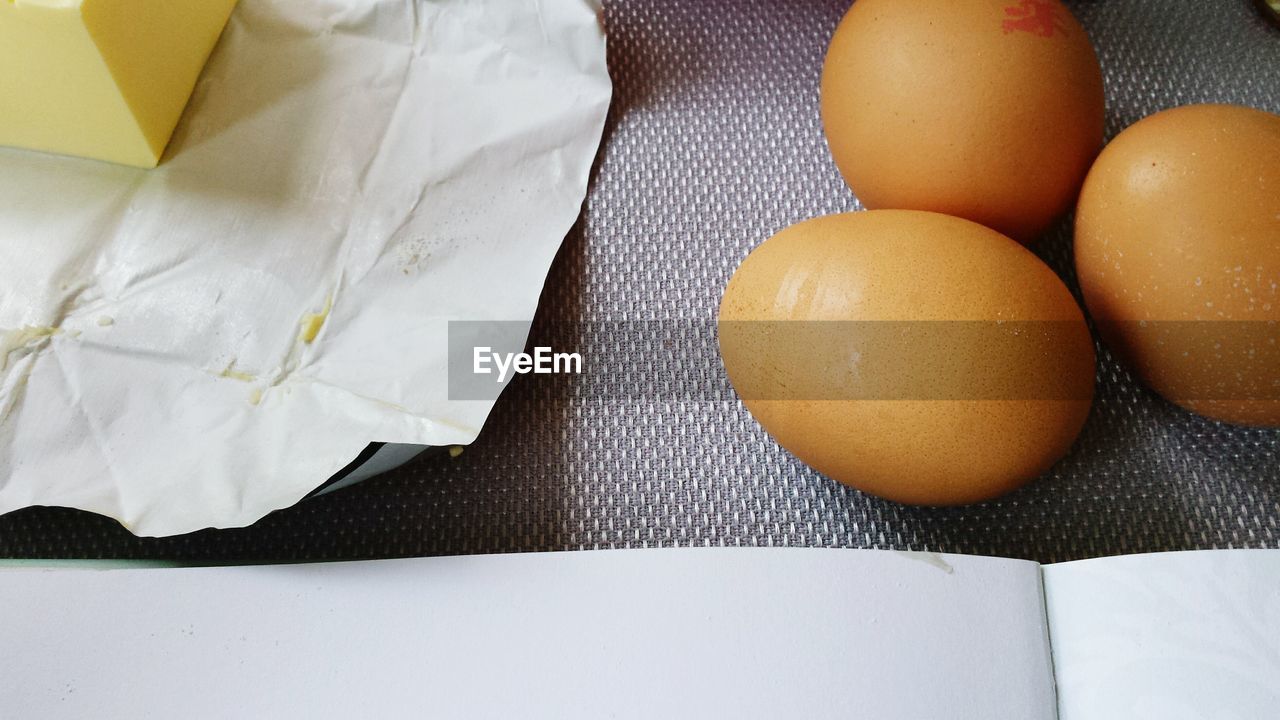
x: 714, y: 144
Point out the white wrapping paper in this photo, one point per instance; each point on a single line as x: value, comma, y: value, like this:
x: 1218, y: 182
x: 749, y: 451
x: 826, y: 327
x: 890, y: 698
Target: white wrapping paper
x: 201, y: 344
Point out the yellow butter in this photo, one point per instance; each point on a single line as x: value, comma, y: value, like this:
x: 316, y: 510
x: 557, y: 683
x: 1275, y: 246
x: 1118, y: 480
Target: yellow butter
x: 103, y: 79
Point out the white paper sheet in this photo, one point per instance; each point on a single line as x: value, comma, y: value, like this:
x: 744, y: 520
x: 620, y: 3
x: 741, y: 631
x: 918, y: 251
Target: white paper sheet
x: 1174, y: 636
x: 694, y: 633
x: 379, y: 166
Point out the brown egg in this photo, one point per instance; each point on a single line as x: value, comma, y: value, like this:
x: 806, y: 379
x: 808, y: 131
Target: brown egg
x: 915, y: 356
x: 1178, y: 253
x: 989, y: 110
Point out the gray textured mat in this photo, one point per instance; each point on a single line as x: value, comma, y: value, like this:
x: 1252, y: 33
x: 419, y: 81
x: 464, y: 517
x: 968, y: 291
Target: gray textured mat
x: 714, y: 144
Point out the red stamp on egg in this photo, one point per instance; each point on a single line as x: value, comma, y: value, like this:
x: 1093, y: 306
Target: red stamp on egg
x: 1038, y: 17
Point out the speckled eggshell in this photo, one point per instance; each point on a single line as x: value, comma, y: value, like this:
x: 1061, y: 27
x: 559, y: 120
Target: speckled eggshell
x: 811, y: 334
x: 1178, y: 251
x: 990, y: 110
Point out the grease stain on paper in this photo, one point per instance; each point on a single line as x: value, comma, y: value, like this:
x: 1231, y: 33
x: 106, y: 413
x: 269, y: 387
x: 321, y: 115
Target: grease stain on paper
x: 231, y: 373
x: 28, y: 339
x: 929, y: 558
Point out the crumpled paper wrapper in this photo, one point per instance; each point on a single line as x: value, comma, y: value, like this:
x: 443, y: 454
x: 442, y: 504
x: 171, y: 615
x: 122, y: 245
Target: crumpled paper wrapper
x: 201, y: 344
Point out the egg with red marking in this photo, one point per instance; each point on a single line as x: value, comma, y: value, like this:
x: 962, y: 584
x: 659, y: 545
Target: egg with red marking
x: 989, y: 110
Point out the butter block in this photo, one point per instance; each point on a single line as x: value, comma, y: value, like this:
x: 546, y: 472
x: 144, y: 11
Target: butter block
x: 102, y: 79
